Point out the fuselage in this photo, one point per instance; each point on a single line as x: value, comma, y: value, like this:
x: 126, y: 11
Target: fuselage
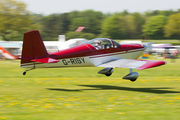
x: 99, y: 52
x: 88, y: 55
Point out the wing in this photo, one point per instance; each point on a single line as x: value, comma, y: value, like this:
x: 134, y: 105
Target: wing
x: 128, y: 63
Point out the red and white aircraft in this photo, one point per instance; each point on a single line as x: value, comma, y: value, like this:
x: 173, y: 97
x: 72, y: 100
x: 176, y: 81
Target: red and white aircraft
x: 6, y: 54
x: 99, y: 52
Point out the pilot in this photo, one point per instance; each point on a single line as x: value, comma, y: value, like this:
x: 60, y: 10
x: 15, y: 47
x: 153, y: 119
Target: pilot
x: 98, y: 45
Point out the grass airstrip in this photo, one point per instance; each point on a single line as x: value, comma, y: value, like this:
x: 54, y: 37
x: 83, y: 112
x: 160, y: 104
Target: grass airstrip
x: 82, y: 94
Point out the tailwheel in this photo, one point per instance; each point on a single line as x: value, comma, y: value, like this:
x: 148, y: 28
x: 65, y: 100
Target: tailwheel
x: 24, y: 73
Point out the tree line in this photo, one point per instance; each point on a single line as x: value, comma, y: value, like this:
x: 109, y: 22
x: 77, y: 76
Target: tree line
x: 15, y: 20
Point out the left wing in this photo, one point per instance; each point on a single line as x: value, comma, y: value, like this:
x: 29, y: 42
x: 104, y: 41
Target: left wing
x: 129, y: 63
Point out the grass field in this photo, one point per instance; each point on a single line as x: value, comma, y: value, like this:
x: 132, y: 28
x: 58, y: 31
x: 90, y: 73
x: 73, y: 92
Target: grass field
x: 82, y: 94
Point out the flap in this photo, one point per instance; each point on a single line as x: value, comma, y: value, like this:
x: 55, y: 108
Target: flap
x: 45, y: 60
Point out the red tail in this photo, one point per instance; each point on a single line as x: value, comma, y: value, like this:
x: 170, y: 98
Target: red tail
x: 33, y: 47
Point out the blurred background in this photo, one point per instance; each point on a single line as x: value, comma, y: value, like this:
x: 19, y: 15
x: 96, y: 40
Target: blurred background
x: 155, y: 25
x: 80, y: 93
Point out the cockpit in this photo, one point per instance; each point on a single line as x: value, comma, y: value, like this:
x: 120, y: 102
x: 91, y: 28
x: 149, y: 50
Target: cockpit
x: 103, y: 43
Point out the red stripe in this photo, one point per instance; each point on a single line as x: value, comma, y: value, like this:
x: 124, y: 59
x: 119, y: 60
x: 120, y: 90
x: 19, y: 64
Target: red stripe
x: 113, y: 54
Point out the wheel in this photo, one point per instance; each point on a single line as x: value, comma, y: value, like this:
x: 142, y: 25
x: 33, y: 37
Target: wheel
x: 132, y: 80
x: 108, y: 74
x: 24, y: 73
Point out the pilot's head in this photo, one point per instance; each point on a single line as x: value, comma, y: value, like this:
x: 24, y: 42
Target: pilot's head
x: 98, y: 42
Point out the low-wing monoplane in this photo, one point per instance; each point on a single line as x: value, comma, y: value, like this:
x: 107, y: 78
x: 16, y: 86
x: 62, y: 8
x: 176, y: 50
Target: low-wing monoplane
x: 99, y: 52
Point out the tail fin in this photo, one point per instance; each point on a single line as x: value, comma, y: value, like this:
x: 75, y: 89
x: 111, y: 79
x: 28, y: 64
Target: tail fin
x: 33, y: 47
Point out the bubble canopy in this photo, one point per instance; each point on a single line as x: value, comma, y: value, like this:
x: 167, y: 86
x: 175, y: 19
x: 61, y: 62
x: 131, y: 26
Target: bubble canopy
x: 103, y: 43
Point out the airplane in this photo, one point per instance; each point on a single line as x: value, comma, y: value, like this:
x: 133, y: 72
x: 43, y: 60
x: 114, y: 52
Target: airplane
x: 110, y: 54
x: 6, y: 54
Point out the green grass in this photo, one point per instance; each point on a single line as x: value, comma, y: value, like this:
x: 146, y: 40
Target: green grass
x: 82, y: 94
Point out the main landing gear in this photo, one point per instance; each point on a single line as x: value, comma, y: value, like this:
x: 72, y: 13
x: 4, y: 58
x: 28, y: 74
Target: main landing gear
x: 107, y: 71
x: 132, y: 76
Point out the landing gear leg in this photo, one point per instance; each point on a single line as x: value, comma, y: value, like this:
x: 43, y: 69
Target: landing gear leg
x: 24, y: 73
x: 130, y: 70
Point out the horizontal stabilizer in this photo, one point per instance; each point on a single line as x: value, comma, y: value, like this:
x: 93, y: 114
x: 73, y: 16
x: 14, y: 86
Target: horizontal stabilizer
x: 129, y: 63
x: 46, y: 60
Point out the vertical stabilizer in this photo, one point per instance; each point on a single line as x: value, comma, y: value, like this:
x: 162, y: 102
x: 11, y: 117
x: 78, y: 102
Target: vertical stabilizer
x: 33, y: 47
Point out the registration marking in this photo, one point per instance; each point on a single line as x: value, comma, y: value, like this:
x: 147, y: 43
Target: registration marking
x: 73, y: 61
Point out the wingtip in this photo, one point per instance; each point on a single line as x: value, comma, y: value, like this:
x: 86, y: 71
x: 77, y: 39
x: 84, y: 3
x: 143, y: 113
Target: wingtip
x: 151, y: 63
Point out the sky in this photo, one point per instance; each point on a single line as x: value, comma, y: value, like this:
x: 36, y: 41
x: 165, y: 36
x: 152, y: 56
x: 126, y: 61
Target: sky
x: 47, y: 7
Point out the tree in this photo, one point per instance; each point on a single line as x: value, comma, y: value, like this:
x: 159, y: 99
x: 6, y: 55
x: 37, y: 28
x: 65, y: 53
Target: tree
x: 173, y: 26
x: 114, y: 27
x: 139, y: 21
x: 88, y: 18
x: 92, y: 21
x: 153, y: 28
x: 70, y: 35
x: 54, y: 25
x: 131, y: 26
x: 159, y: 12
x: 49, y: 25
x: 14, y: 20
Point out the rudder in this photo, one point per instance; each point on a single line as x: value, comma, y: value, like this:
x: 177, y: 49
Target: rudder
x: 33, y: 47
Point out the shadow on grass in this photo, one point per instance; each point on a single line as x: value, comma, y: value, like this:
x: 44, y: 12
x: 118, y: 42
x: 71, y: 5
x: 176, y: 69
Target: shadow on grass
x: 156, y: 90
x: 66, y: 90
